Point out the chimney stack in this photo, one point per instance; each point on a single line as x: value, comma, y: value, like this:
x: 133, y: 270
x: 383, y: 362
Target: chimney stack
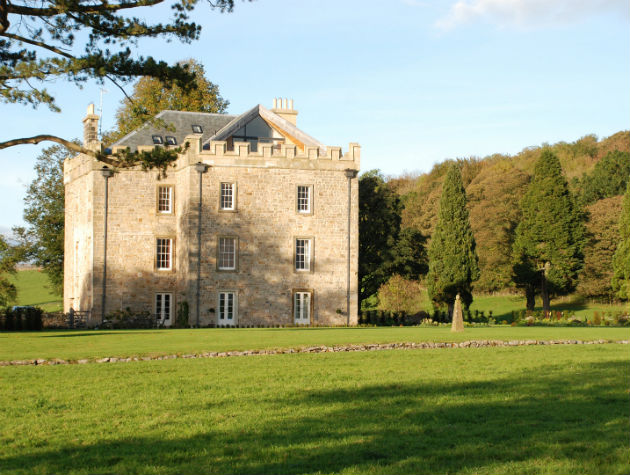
x: 284, y: 108
x: 90, y: 129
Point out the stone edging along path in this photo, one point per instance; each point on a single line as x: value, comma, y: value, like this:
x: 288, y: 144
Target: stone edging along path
x: 318, y: 349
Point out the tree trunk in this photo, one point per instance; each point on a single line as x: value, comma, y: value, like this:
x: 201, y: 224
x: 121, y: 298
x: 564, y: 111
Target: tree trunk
x: 544, y: 293
x: 530, y: 296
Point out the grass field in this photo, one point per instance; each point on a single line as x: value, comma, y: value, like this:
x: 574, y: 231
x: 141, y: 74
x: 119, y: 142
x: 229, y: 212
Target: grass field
x: 502, y: 305
x: 74, y: 345
x: 520, y: 410
x: 34, y: 289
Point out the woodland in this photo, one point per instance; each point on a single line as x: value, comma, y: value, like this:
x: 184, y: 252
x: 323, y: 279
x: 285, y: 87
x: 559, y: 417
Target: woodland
x: 596, y: 172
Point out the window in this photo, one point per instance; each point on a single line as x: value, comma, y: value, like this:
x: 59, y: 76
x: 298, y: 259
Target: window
x: 227, y: 308
x: 302, y: 254
x: 170, y: 140
x: 304, y: 199
x: 163, y: 308
x: 302, y: 308
x: 164, y: 254
x: 227, y: 201
x: 157, y: 139
x: 227, y: 253
x: 197, y: 129
x: 165, y: 199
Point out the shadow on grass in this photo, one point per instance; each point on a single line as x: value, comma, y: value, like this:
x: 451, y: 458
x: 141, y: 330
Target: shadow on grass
x: 575, y: 420
x: 82, y: 333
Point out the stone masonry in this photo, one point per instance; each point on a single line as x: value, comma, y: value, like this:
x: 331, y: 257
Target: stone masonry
x: 264, y: 224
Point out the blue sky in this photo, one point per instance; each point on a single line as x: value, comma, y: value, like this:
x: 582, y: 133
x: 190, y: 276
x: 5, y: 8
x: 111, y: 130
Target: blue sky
x: 414, y: 82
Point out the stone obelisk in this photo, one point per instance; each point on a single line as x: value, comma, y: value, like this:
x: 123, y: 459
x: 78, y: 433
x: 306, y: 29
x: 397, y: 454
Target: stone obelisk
x: 458, y: 316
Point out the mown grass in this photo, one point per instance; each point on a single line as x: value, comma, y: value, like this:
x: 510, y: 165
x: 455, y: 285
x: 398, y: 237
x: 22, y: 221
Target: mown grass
x: 34, y: 289
x: 523, y: 410
x: 77, y: 344
x: 502, y: 306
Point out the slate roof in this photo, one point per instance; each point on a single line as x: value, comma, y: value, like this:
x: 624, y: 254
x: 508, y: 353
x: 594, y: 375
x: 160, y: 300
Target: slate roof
x: 182, y: 123
x: 273, y: 119
x: 214, y: 126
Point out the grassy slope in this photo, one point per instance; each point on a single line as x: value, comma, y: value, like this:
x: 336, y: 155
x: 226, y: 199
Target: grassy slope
x: 34, y: 289
x: 96, y: 344
x: 534, y: 410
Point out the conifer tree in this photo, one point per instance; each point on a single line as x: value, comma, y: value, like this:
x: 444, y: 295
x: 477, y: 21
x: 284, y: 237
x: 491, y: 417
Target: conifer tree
x: 453, y: 262
x: 621, y: 259
x: 547, y: 252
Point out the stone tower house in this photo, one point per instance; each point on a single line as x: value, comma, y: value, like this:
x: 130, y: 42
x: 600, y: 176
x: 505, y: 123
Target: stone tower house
x: 257, y: 224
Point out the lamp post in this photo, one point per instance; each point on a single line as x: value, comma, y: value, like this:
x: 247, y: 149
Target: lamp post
x: 350, y: 174
x: 107, y: 174
x: 201, y: 169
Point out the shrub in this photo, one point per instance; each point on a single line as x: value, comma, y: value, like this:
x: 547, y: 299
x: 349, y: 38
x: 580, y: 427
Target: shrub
x: 182, y: 317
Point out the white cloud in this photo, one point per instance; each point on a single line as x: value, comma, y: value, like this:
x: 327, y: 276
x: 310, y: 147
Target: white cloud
x: 528, y: 13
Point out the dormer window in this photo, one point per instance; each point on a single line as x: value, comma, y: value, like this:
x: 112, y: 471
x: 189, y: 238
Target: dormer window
x: 157, y: 139
x: 170, y: 140
x: 197, y: 129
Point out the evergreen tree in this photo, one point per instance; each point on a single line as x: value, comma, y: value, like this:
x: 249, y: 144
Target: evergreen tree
x: 379, y: 227
x: 621, y: 259
x: 453, y: 262
x: 608, y: 178
x: 79, y: 41
x: 547, y: 251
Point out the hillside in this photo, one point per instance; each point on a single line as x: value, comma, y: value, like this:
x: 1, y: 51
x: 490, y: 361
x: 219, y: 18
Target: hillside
x: 494, y: 186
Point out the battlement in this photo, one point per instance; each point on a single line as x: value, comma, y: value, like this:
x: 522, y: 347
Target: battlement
x: 266, y: 154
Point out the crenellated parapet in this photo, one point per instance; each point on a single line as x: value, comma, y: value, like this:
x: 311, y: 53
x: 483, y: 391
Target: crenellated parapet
x: 284, y: 155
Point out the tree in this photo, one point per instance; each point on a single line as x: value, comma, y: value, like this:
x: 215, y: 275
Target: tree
x: 8, y: 292
x: 602, y: 236
x: 608, y: 178
x: 398, y: 294
x: 379, y: 226
x: 621, y: 259
x: 43, y: 239
x: 409, y: 255
x: 550, y: 237
x: 453, y: 262
x: 151, y: 96
x: 40, y: 42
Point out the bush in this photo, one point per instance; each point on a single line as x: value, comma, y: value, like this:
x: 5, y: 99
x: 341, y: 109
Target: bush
x: 22, y: 318
x: 182, y: 317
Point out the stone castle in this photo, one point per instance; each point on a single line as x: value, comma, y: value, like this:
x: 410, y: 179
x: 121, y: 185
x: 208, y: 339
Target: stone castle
x: 257, y: 224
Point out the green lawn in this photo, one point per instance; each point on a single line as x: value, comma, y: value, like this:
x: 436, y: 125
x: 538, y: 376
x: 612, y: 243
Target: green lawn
x: 503, y: 305
x: 34, y: 289
x: 519, y: 410
x: 75, y: 344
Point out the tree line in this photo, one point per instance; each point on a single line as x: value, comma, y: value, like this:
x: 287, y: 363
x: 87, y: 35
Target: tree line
x: 517, y: 224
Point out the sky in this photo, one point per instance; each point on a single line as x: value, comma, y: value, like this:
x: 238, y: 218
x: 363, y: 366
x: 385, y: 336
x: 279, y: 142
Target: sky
x: 414, y: 82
